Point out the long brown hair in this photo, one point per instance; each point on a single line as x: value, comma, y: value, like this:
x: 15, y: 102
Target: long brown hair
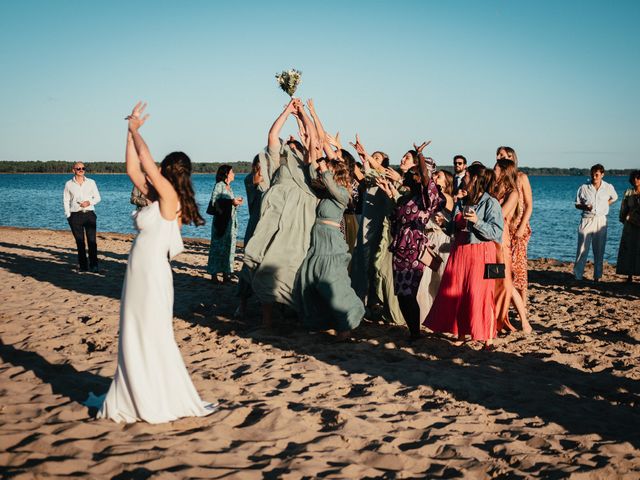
x: 341, y: 173
x: 507, y: 183
x: 448, y: 182
x: 176, y: 167
x: 508, y: 180
x: 481, y: 180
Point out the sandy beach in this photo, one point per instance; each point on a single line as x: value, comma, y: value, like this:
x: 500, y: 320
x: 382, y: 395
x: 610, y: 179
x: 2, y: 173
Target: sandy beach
x: 561, y: 403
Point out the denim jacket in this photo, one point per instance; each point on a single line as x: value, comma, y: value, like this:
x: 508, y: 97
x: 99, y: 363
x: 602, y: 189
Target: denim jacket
x: 490, y: 222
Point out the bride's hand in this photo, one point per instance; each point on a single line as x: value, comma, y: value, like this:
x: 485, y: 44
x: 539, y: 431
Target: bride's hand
x: 135, y: 119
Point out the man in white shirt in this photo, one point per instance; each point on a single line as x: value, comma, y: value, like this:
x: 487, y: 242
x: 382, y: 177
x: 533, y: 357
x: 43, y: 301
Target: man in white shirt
x: 594, y: 199
x: 459, y: 169
x: 80, y: 197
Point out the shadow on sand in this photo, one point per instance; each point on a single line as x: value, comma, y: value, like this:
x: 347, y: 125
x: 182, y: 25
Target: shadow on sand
x: 602, y: 403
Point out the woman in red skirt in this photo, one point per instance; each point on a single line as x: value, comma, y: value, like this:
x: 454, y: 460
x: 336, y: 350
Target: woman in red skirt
x: 464, y: 304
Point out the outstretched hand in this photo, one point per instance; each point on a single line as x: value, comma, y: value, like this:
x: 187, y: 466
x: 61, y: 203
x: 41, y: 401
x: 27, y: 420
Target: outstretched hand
x: 391, y: 174
x: 291, y: 106
x: 135, y: 119
x: 421, y: 147
x: 335, y: 141
x: 310, y: 106
x: 359, y: 147
x: 384, y: 186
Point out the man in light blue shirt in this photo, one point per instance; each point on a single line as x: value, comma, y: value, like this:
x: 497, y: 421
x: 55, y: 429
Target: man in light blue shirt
x: 594, y: 199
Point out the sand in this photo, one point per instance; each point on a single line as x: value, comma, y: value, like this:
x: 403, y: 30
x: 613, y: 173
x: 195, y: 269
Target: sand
x: 562, y: 403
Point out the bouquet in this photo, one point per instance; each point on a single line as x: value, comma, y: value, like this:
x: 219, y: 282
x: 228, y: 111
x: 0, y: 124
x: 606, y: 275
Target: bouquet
x: 288, y: 80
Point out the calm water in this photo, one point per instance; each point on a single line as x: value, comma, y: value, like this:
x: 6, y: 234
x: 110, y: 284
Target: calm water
x: 36, y: 201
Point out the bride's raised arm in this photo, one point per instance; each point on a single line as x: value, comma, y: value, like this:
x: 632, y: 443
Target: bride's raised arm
x: 166, y: 192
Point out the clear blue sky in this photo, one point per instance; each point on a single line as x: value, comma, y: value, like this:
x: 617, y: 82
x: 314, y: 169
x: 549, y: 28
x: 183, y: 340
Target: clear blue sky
x: 557, y: 80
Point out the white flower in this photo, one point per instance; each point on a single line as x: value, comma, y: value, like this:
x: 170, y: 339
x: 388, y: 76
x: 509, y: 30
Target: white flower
x: 289, y: 80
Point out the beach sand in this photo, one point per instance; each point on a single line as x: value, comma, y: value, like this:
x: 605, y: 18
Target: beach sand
x: 562, y: 403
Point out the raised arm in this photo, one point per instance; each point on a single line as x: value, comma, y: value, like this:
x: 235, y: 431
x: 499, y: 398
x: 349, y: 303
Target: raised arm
x: 273, y: 141
x: 302, y: 133
x: 427, y: 167
x: 320, y: 132
x: 134, y: 170
x: 167, y: 195
x: 315, y: 148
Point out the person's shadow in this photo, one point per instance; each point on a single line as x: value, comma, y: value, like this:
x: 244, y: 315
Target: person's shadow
x: 603, y: 403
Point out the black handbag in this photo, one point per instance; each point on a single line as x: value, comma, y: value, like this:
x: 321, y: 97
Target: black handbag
x: 211, y: 209
x: 493, y: 270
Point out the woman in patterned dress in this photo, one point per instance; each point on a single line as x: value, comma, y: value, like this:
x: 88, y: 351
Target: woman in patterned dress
x: 408, y: 222
x: 519, y: 228
x: 506, y: 192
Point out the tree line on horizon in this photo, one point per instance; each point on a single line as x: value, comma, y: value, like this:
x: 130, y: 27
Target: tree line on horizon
x: 60, y: 166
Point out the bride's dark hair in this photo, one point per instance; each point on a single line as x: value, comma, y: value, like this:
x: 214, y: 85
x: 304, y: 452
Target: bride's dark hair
x: 176, y: 167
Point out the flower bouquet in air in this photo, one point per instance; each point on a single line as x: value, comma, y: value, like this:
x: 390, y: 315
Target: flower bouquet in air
x: 288, y: 80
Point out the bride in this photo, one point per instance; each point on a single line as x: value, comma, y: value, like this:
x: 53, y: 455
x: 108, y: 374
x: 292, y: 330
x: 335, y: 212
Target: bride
x: 151, y: 383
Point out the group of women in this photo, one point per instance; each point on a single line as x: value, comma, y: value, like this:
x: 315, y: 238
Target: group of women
x: 422, y: 252
x: 329, y: 236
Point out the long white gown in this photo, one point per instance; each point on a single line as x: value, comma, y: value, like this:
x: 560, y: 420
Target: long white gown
x: 151, y: 383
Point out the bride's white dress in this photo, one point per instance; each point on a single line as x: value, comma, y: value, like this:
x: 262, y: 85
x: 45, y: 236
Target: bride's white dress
x: 151, y: 381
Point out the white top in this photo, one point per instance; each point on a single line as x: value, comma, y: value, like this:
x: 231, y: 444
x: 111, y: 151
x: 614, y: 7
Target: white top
x: 76, y: 193
x: 598, y: 199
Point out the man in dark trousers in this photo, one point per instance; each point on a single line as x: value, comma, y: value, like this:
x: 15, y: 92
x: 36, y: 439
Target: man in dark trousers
x: 80, y: 198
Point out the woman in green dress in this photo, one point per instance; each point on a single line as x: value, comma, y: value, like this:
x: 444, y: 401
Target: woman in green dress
x: 224, y: 228
x: 328, y: 301
x: 281, y: 238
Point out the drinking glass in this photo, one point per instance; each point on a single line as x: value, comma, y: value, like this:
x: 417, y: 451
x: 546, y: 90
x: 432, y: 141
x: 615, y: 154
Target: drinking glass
x: 466, y: 211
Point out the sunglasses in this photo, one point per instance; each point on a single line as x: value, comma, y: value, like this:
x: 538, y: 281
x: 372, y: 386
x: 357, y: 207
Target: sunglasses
x: 459, y: 163
x: 79, y: 169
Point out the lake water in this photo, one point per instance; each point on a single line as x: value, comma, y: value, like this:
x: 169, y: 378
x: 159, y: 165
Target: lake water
x: 35, y: 200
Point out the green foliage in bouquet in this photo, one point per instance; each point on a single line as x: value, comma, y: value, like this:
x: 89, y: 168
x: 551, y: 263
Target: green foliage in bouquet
x: 288, y: 80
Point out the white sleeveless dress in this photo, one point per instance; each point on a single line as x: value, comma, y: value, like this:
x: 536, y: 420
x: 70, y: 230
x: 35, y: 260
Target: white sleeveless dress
x: 151, y: 383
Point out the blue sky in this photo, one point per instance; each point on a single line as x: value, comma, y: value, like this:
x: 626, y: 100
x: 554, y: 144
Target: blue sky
x: 557, y: 80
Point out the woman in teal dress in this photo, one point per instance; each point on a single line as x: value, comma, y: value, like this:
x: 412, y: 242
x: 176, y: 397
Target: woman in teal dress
x: 224, y: 228
x: 328, y: 301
